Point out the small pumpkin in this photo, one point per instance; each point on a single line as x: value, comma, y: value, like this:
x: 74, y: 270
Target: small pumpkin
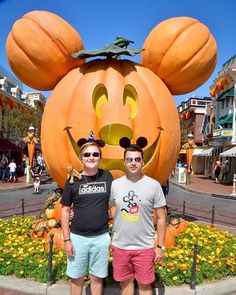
x: 39, y: 49
x: 52, y: 223
x: 38, y: 229
x: 179, y: 224
x: 50, y: 213
x: 182, y: 52
x: 57, y: 239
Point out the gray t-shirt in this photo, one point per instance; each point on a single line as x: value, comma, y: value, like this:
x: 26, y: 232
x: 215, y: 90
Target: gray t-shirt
x: 133, y: 227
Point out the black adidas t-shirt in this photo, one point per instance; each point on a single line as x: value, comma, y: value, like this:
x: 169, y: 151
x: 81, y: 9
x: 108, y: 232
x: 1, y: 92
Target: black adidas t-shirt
x: 90, y: 199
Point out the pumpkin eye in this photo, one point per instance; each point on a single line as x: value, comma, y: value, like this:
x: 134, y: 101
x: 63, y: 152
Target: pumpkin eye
x: 100, y: 97
x: 130, y: 97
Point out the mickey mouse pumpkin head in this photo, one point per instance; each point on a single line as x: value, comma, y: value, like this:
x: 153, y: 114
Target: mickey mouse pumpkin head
x: 115, y: 99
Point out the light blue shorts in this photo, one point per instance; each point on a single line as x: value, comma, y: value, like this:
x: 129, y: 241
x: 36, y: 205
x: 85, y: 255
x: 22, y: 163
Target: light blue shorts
x: 91, y: 256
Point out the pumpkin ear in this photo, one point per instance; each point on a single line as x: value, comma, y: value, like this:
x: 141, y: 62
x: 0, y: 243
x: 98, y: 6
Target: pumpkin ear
x: 175, y: 55
x: 142, y: 142
x: 81, y: 141
x: 100, y: 142
x: 124, y: 142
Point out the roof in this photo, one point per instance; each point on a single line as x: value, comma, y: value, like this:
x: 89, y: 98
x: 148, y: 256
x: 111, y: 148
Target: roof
x: 225, y: 119
x: 229, y: 153
x: 6, y: 145
x: 206, y: 152
x: 227, y: 93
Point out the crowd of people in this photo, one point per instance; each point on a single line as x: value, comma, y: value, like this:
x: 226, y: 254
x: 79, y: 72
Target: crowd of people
x: 8, y: 169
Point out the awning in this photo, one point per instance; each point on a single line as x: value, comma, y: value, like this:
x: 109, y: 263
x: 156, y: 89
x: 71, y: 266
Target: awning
x: 206, y: 153
x: 229, y: 153
x: 197, y: 152
x: 229, y: 92
x: 182, y: 151
x: 225, y: 119
x: 6, y: 145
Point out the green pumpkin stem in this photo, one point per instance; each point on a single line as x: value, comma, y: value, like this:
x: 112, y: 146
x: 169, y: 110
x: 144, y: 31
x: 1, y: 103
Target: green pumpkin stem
x: 112, y: 50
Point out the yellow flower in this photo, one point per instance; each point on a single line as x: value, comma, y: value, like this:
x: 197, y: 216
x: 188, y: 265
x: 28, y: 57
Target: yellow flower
x: 175, y: 278
x: 8, y: 262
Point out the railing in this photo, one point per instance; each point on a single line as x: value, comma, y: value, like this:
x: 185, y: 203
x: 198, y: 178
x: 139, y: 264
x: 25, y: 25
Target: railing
x: 209, y: 214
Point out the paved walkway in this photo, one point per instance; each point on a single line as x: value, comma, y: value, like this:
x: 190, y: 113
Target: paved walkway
x: 202, y: 184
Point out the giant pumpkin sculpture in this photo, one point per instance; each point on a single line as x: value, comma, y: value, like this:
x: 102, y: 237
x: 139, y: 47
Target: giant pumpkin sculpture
x: 114, y: 98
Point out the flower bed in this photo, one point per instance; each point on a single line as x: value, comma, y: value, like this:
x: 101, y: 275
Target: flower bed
x: 23, y: 257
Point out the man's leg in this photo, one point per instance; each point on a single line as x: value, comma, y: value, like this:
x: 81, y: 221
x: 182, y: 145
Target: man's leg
x: 96, y: 285
x: 127, y: 287
x: 145, y: 289
x: 76, y: 287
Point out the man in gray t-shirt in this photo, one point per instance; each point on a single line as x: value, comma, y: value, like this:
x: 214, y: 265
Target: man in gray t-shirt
x: 136, y: 196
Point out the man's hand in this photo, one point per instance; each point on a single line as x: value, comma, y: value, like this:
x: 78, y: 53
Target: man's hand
x: 71, y: 214
x: 69, y: 249
x: 159, y: 255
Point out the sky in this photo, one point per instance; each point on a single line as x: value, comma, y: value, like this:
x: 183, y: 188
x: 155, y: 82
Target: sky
x: 99, y: 22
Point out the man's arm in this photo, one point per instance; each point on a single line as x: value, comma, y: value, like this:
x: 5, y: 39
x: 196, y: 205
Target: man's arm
x: 161, y: 231
x: 65, y: 219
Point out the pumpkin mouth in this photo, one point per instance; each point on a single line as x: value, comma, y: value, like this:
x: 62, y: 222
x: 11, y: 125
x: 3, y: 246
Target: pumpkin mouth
x: 118, y: 164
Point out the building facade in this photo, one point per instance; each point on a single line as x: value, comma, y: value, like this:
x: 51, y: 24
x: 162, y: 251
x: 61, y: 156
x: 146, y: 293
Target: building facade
x: 18, y: 110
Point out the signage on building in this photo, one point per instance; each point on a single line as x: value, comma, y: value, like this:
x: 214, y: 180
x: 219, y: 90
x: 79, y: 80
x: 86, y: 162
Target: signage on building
x: 216, y: 133
x: 222, y: 133
x: 226, y: 132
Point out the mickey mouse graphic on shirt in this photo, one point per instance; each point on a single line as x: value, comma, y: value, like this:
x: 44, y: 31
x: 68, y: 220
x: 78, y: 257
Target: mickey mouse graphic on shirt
x: 131, y: 209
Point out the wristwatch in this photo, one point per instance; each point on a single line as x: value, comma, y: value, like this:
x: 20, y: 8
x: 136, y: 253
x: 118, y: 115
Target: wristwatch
x: 161, y: 247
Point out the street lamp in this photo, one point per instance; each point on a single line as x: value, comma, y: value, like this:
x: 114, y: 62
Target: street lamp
x: 31, y: 141
x: 189, y: 146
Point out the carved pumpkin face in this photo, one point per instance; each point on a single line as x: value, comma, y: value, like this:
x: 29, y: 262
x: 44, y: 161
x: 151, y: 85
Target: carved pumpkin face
x: 114, y: 98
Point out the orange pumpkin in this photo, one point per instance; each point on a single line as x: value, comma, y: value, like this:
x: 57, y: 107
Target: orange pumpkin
x: 179, y: 224
x: 57, y: 208
x: 57, y: 239
x: 112, y: 212
x: 39, y: 49
x: 182, y: 52
x: 114, y: 98
x: 169, y: 238
x: 38, y: 229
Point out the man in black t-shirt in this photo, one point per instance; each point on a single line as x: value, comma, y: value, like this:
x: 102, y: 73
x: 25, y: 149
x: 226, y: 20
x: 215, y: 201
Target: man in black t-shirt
x: 87, y: 241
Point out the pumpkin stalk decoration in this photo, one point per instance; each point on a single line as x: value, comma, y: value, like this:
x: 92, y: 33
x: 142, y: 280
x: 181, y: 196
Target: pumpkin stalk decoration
x: 116, y: 97
x: 31, y: 140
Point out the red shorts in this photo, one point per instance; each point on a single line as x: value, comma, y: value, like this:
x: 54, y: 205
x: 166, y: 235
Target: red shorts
x: 138, y: 264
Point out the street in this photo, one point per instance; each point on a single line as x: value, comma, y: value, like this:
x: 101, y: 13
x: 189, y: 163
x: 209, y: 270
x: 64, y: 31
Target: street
x: 197, y: 206
x: 200, y: 206
x: 11, y: 201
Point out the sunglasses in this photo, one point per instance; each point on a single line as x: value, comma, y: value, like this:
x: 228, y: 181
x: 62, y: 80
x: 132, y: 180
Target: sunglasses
x: 130, y: 160
x: 94, y: 154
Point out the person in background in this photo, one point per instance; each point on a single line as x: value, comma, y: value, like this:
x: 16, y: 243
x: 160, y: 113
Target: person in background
x: 87, y: 241
x: 12, y: 168
x: 40, y: 162
x: 217, y: 170
x: 3, y: 167
x: 225, y: 172
x: 136, y: 196
x: 179, y: 164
